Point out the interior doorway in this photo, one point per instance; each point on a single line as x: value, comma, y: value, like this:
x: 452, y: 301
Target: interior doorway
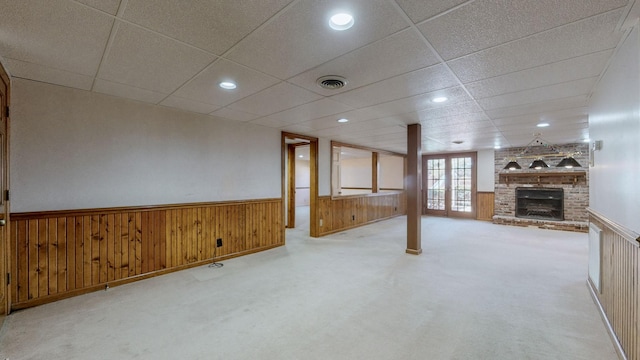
x: 300, y: 182
x: 302, y: 188
x: 449, y: 185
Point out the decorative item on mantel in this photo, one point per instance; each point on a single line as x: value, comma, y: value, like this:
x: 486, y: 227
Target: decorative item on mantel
x: 567, y: 161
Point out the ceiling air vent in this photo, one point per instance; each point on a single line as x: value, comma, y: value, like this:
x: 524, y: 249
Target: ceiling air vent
x: 332, y: 82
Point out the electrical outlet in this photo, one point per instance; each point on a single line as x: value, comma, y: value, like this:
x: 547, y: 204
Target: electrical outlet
x: 320, y: 222
x: 218, y: 242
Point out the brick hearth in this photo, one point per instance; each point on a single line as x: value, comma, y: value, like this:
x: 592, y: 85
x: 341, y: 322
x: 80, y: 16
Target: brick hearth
x: 576, y: 188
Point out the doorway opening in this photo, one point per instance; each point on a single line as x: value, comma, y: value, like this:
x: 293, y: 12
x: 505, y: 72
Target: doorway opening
x: 300, y: 182
x: 449, y: 185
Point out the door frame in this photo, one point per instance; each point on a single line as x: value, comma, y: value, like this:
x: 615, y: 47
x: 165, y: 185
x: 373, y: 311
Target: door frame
x: 5, y: 236
x: 288, y: 171
x: 474, y: 189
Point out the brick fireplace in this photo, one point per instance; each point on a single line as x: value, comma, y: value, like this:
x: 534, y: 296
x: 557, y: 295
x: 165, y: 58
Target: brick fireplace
x: 573, y: 184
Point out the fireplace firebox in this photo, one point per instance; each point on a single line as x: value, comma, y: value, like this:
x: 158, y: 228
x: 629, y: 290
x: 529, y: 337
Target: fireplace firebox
x: 540, y: 203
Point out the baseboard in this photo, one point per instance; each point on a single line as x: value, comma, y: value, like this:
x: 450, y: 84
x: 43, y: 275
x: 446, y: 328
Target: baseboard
x: 612, y: 334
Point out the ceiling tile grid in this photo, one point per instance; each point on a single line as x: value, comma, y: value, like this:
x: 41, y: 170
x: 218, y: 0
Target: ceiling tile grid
x: 504, y: 65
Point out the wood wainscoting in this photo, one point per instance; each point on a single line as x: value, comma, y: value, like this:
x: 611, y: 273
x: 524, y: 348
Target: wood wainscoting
x: 59, y: 254
x: 619, y: 295
x: 337, y: 214
x: 485, y: 201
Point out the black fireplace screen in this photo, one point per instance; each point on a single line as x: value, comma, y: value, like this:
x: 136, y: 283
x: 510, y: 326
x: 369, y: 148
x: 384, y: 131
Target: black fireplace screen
x: 540, y: 203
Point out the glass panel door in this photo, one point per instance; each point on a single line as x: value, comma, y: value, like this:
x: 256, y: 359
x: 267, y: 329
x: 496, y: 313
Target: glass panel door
x: 461, y: 184
x: 435, y: 185
x: 449, y: 185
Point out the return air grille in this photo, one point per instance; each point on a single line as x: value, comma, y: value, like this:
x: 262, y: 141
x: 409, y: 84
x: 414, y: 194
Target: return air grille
x: 331, y: 82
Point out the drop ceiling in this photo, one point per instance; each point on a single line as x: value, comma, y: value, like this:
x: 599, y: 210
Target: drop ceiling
x: 503, y: 65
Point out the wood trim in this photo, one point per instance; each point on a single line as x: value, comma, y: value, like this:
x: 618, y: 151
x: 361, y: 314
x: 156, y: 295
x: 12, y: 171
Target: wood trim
x: 619, y: 297
x: 629, y: 235
x: 338, y: 214
x: 6, y: 264
x: 80, y: 212
x: 291, y: 190
x: 64, y: 254
x: 375, y: 172
x: 485, y: 201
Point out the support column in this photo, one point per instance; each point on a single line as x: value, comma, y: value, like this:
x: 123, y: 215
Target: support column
x: 413, y: 184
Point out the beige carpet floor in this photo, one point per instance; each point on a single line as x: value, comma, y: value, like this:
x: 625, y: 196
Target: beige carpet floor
x: 479, y: 291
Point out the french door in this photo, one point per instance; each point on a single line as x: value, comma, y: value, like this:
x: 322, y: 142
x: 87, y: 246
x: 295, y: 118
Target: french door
x: 449, y: 185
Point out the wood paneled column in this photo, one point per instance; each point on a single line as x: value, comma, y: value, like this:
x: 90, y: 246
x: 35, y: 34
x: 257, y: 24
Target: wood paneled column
x: 413, y: 182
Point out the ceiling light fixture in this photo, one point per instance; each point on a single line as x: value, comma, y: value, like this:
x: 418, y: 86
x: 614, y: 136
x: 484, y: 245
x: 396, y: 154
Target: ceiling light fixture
x: 567, y: 158
x: 228, y: 85
x: 543, y: 124
x: 440, y: 99
x: 300, y: 156
x: 341, y: 21
x: 343, y: 120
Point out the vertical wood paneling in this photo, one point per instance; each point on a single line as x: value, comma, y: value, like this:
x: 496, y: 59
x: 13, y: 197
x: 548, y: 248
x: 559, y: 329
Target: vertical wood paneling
x: 620, y: 286
x: 485, y: 205
x: 66, y: 253
x: 348, y: 212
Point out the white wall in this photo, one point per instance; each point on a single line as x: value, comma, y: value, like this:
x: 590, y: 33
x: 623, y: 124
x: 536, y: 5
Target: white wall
x: 355, y: 173
x: 614, y: 118
x: 303, y: 172
x: 486, y: 170
x: 74, y: 149
x: 391, y: 172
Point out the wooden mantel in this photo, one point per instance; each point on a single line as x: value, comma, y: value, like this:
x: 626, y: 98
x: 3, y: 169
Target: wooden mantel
x: 513, y: 176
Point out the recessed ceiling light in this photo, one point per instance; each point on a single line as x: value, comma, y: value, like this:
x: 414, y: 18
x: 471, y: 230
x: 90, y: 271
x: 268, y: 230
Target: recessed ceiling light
x: 341, y: 21
x: 300, y: 156
x: 228, y: 85
x: 497, y: 147
x: 543, y: 124
x: 440, y: 99
x: 586, y: 140
x: 343, y: 120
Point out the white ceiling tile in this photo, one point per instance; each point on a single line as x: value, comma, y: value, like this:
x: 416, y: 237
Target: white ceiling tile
x: 210, y: 25
x: 449, y: 111
x: 146, y: 60
x: 419, y: 10
x: 555, y: 73
x: 547, y: 106
x: 127, y: 92
x: 454, y: 120
x: 421, y: 81
x: 189, y: 105
x: 486, y: 23
x: 564, y: 90
x: 397, y: 54
x: 109, y: 6
x: 279, y: 97
x: 46, y: 74
x: 235, y: 115
x: 327, y: 122
x: 302, y: 113
x: 205, y: 87
x: 576, y: 39
x: 456, y: 95
x: 542, y: 116
x: 303, y: 39
x: 55, y: 33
